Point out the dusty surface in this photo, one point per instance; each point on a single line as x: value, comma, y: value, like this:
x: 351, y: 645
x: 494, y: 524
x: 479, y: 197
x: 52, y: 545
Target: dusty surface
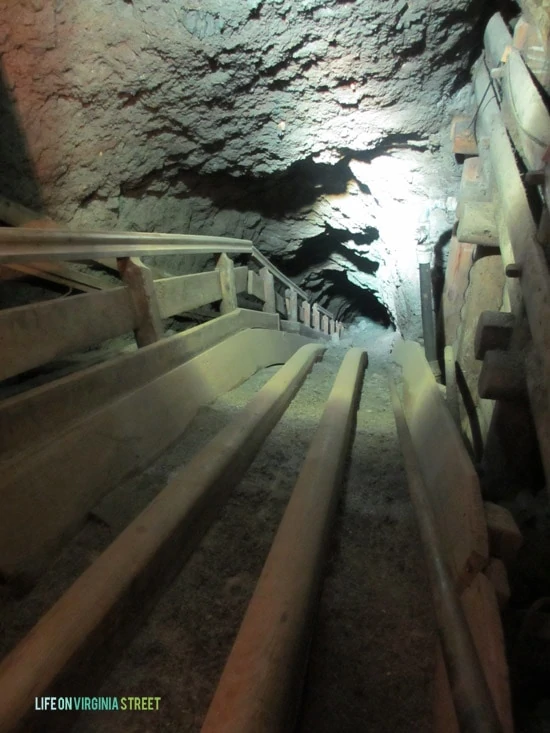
x: 371, y: 658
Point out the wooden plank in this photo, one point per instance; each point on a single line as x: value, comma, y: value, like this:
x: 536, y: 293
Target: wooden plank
x: 241, y: 279
x: 270, y: 302
x: 482, y: 613
x: 255, y: 285
x: 525, y: 113
x: 264, y: 674
x: 37, y: 415
x: 292, y: 305
x: 95, y: 612
x: 461, y: 255
x: 139, y: 281
x: 280, y: 304
x: 226, y: 269
x: 478, y: 224
x: 462, y: 136
x: 450, y: 477
x: 505, y: 537
x: 306, y: 313
x: 31, y: 335
x: 484, y: 292
x: 497, y: 40
x: 45, y: 494
x: 473, y: 185
x: 186, y: 292
x: 64, y: 274
x: 494, y: 331
x: 315, y: 317
x: 27, y: 245
x: 15, y: 214
x: 262, y: 260
x: 502, y: 376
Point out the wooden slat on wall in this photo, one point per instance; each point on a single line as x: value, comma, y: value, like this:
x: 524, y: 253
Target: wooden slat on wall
x: 187, y: 292
x: 36, y: 334
x: 36, y: 415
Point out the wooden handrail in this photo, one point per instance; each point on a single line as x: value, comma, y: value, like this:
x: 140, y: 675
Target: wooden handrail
x: 28, y: 245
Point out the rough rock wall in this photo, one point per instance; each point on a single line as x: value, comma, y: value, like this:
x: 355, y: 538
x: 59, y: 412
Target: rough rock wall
x: 311, y: 126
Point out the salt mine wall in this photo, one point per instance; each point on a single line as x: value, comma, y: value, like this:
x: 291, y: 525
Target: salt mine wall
x: 319, y: 129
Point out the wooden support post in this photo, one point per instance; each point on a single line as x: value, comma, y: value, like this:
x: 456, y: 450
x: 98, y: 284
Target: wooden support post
x: 494, y: 331
x: 139, y: 280
x: 315, y: 317
x: 502, y: 376
x: 292, y: 305
x: 505, y: 537
x: 226, y: 268
x: 463, y: 135
x: 270, y: 304
x: 324, y: 324
x: 306, y: 313
x: 477, y: 224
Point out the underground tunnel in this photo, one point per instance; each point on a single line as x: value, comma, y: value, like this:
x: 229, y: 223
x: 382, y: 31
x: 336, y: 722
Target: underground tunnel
x: 274, y: 302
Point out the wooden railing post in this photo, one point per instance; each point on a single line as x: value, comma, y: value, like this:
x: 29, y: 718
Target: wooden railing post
x: 315, y: 317
x: 139, y: 280
x: 270, y: 304
x: 292, y: 304
x: 325, y: 324
x: 306, y: 313
x: 226, y: 268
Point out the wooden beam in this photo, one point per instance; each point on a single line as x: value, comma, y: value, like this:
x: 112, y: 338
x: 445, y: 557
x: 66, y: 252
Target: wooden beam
x: 39, y: 414
x: 505, y: 538
x: 226, y: 270
x: 139, y: 281
x: 494, y: 331
x: 292, y: 304
x: 315, y: 317
x: 155, y: 545
x: 187, y: 292
x: 459, y: 263
x: 27, y: 245
x: 473, y: 185
x: 502, y: 376
x: 462, y: 135
x: 477, y: 224
x: 280, y: 304
x: 264, y: 673
x: 46, y: 494
x: 32, y: 335
x: 255, y: 285
x: 306, y: 313
x: 241, y: 279
x: 15, y: 214
x: 270, y: 302
x: 449, y: 475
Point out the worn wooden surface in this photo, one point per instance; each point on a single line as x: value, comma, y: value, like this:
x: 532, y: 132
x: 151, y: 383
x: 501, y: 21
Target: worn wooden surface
x: 45, y: 493
x: 139, y: 281
x: 477, y: 224
x: 187, y: 292
x: 38, y: 414
x: 31, y: 335
x: 448, y: 472
x: 456, y: 284
x: 150, y: 551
